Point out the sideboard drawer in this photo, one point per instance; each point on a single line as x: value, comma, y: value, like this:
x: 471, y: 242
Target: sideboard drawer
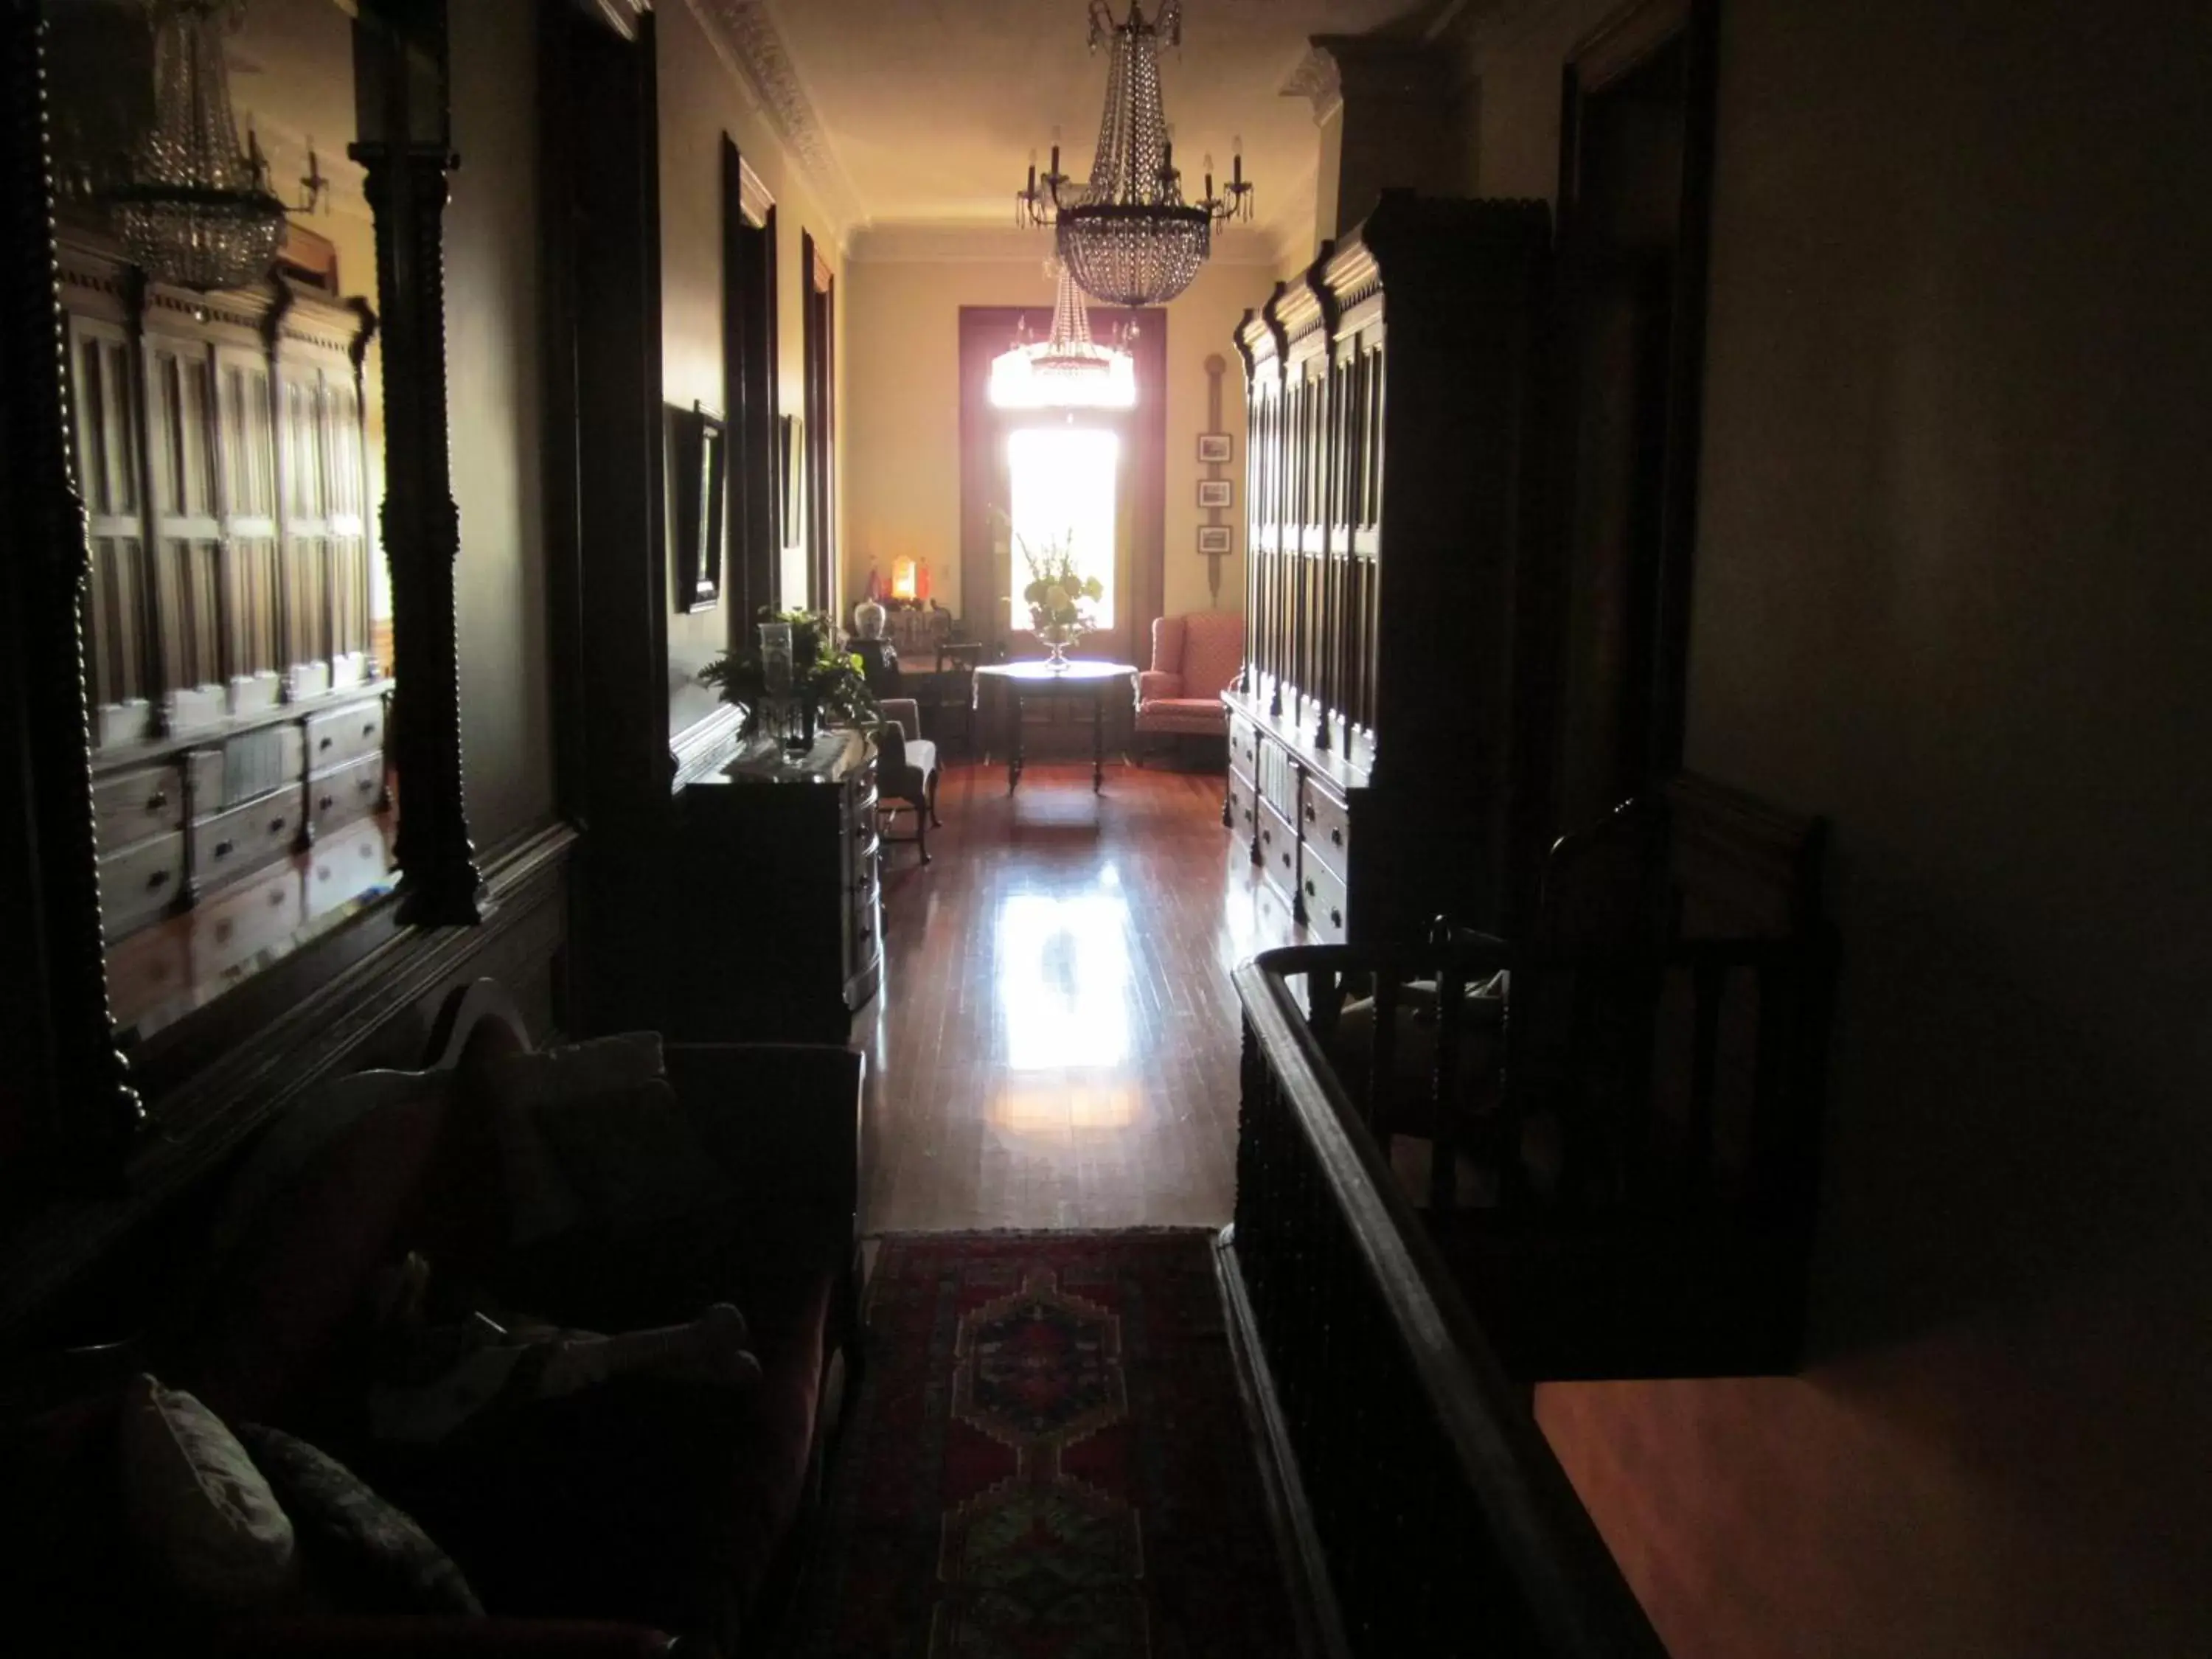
x: 339, y: 796
x: 245, y: 838
x: 141, y: 882
x: 344, y: 735
x: 1279, y: 851
x: 1323, y: 890
x: 130, y: 806
x: 1325, y: 826
x: 1243, y: 811
x: 1244, y: 748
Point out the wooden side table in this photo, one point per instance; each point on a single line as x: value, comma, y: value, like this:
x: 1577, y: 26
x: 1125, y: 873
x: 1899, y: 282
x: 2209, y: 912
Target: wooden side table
x: 1027, y: 680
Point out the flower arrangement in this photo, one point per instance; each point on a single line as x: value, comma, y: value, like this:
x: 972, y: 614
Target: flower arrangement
x: 1061, y: 600
x: 826, y: 680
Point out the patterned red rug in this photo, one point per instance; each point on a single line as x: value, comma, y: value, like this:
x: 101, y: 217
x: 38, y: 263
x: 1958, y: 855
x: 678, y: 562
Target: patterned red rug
x: 1047, y: 1460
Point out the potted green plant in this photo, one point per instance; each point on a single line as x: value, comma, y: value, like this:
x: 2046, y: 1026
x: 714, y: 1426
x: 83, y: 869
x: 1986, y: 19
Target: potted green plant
x: 814, y: 676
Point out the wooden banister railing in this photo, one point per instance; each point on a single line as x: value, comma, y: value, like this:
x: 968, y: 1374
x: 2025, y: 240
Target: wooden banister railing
x: 1431, y: 1518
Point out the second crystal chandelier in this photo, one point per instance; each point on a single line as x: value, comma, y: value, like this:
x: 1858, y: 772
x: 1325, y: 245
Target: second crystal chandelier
x: 1126, y: 233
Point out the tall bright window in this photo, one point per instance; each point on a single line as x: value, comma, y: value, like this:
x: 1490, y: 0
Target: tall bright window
x: 1062, y: 479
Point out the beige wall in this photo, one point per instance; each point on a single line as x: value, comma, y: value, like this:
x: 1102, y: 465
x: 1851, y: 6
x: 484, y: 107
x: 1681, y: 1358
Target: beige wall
x: 902, y: 425
x: 1952, y: 591
x: 701, y: 98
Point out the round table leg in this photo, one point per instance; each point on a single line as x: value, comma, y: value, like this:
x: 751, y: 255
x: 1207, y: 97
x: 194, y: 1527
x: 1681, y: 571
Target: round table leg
x: 1098, y: 742
x: 1014, y: 756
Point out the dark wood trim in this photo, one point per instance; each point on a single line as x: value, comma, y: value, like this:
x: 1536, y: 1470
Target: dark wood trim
x: 279, y: 1038
x: 599, y: 190
x: 820, y: 345
x: 749, y: 379
x: 1622, y: 42
x: 1289, y: 1514
x: 67, y: 1109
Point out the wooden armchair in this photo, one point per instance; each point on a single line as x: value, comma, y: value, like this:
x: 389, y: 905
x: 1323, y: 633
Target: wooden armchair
x: 906, y: 770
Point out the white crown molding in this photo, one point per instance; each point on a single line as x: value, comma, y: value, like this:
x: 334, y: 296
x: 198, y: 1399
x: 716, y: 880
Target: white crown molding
x: 747, y: 37
x: 941, y: 242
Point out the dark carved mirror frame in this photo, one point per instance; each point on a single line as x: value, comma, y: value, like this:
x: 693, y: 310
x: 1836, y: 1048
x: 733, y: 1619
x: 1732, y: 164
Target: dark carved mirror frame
x: 69, y: 1115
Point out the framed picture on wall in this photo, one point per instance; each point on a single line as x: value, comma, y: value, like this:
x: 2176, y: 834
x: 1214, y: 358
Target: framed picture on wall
x: 1215, y: 448
x: 1216, y: 492
x: 791, y: 458
x: 701, y: 462
x: 1214, y: 538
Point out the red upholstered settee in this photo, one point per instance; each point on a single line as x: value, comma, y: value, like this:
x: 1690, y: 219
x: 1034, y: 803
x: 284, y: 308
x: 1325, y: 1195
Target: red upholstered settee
x: 1195, y: 658
x: 641, y: 1512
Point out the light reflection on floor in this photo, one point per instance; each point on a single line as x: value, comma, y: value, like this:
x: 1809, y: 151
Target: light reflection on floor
x: 1057, y: 1039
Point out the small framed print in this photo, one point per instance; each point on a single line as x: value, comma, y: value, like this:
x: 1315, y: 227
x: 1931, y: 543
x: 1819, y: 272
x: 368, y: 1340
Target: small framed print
x: 1216, y: 492
x: 1215, y: 448
x: 1213, y: 538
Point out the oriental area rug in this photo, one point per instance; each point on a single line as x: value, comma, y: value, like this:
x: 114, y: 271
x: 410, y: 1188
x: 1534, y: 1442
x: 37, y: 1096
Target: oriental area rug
x: 1046, y: 1459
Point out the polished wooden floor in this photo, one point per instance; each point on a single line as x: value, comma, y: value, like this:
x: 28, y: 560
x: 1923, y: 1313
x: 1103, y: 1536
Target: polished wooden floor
x: 1057, y: 1041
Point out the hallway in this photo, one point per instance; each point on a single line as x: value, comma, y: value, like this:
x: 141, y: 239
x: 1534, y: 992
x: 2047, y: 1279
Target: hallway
x: 1056, y: 1043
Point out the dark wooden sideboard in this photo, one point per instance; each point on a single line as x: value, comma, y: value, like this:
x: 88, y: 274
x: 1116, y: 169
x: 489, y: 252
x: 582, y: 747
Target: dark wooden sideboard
x: 778, y: 896
x: 1390, y: 732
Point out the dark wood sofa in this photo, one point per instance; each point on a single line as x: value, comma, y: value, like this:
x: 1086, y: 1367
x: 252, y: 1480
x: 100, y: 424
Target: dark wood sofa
x: 640, y: 1514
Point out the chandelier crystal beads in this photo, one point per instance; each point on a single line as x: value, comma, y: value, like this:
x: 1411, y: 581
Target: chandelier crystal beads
x: 196, y: 208
x: 1126, y: 233
x: 1068, y: 369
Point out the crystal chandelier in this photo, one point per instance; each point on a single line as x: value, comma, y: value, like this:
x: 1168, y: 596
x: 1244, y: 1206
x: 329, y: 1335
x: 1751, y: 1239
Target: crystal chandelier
x: 1126, y: 232
x: 195, y: 209
x: 1068, y: 369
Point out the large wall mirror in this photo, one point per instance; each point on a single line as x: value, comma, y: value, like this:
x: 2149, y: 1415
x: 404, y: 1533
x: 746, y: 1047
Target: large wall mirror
x: 236, y: 704
x: 228, y: 446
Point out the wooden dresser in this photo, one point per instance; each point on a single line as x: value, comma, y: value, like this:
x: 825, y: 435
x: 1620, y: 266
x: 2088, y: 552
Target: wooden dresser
x: 237, y: 710
x: 779, y: 907
x: 1390, y: 736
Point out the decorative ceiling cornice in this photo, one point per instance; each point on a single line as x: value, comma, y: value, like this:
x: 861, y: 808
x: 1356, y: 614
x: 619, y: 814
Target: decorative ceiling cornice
x: 747, y: 37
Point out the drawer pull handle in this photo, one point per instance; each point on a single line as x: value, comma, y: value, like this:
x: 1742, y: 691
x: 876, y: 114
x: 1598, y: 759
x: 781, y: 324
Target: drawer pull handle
x: 1286, y: 861
x: 223, y: 849
x: 157, y: 800
x: 325, y: 742
x: 329, y: 801
x: 276, y: 826
x: 157, y: 881
x: 1337, y: 836
x: 1336, y: 918
x: 364, y: 785
x: 1310, y: 890
x: 368, y: 729
x: 1309, y: 814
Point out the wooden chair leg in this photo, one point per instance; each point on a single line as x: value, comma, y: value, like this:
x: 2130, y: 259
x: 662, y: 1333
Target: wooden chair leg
x: 935, y: 821
x: 921, y: 828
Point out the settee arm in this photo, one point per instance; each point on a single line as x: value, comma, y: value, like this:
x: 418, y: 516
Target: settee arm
x: 365, y: 1637
x: 783, y: 1119
x: 1151, y: 683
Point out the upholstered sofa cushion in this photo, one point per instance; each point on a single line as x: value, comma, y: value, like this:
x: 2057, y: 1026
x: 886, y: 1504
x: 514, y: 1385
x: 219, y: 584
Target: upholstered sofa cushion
x: 647, y: 1499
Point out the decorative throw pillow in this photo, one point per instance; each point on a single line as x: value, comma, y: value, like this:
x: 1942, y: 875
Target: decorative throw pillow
x: 197, y: 1504
x: 540, y: 1200
x: 365, y: 1554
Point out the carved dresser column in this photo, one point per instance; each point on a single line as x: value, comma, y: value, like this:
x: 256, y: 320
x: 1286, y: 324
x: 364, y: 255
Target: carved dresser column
x: 399, y: 60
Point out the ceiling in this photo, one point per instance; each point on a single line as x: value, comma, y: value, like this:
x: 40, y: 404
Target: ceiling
x: 930, y: 108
